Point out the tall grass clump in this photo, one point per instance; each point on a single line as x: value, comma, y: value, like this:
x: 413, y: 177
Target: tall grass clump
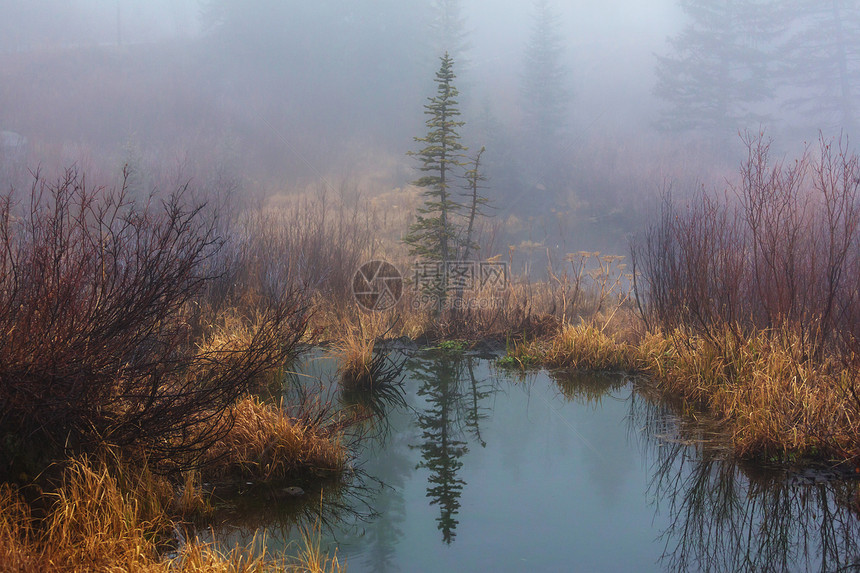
x: 94, y: 522
x: 267, y: 443
x: 756, y: 288
x: 363, y: 366
x: 99, y: 324
x: 586, y: 347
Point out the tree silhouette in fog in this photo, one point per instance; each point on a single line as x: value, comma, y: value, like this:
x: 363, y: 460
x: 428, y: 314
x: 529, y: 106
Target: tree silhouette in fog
x: 448, y: 30
x: 716, y: 74
x: 820, y: 62
x: 545, y: 94
x: 544, y: 79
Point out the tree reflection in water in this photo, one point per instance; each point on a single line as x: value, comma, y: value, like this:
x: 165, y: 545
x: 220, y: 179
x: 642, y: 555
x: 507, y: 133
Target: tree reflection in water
x: 453, y: 411
x: 727, y: 516
x: 714, y: 514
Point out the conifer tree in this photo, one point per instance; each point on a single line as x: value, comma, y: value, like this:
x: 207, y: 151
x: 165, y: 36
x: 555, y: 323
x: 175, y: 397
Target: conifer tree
x: 545, y: 100
x: 716, y: 76
x: 544, y: 91
x: 448, y: 30
x: 444, y: 230
x: 434, y: 234
x: 820, y: 62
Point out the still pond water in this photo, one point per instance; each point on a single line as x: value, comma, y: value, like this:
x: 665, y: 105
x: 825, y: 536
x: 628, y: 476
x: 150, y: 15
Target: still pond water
x: 482, y: 469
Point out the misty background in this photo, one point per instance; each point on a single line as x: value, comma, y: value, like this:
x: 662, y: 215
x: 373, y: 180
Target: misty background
x: 587, y: 110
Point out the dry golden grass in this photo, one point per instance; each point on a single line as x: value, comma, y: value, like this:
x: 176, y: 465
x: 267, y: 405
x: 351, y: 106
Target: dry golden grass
x: 91, y: 526
x: 95, y: 525
x: 199, y: 557
x: 16, y: 533
x: 265, y: 443
x: 774, y: 402
x: 226, y: 333
x: 311, y: 559
x: 354, y: 349
x: 587, y: 284
x: 586, y: 347
x: 192, y: 501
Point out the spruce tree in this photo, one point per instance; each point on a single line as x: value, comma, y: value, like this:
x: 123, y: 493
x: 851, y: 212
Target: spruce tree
x: 433, y: 236
x: 448, y: 30
x: 544, y: 90
x: 444, y: 230
x: 545, y: 100
x: 716, y: 76
x: 820, y: 62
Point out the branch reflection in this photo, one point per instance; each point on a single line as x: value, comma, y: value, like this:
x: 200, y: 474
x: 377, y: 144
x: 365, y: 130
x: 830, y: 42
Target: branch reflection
x: 730, y: 516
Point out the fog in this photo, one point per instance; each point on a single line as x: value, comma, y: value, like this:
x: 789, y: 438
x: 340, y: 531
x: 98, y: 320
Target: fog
x: 267, y: 98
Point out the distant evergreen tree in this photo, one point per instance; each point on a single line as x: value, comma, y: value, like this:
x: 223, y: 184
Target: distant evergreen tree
x: 820, y: 62
x: 544, y: 102
x: 717, y: 74
x: 544, y: 81
x: 448, y: 30
x: 503, y: 159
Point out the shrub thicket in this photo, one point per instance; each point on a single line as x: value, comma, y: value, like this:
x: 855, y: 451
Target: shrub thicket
x: 780, y: 251
x: 98, y: 299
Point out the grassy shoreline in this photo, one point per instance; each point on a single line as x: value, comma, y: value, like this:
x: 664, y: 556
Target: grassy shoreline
x: 772, y: 406
x: 97, y: 520
x: 104, y: 512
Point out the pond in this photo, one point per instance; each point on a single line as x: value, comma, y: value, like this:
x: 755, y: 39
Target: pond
x: 484, y: 469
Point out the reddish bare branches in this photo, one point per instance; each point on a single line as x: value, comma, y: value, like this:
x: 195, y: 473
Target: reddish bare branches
x: 96, y: 295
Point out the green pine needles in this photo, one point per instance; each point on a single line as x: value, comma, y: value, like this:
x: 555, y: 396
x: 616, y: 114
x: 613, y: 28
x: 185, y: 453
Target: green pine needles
x: 443, y: 228
x: 433, y: 236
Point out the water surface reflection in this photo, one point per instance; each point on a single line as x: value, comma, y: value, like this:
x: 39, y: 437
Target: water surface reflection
x: 482, y: 469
